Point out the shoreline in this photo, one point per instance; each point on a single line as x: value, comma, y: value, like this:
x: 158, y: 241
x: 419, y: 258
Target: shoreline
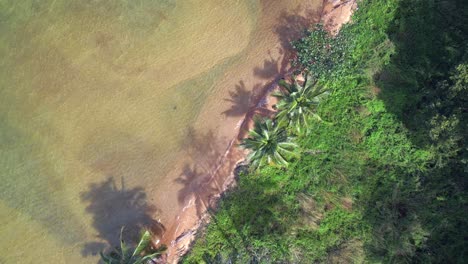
x: 189, y: 223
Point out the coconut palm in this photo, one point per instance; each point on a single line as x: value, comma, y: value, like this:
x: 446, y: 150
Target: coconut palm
x: 297, y: 103
x: 269, y: 144
x: 140, y: 255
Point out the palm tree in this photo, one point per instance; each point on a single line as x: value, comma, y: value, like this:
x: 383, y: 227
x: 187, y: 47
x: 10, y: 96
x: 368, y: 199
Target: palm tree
x: 298, y: 102
x: 269, y: 143
x: 140, y: 255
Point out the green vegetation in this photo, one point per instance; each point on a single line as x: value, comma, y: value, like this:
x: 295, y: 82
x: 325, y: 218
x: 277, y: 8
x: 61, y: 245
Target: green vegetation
x: 269, y: 144
x: 142, y: 253
x: 385, y: 181
x: 297, y: 103
x: 319, y: 53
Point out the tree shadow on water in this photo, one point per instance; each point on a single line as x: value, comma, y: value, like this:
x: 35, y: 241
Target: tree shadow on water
x: 203, y: 176
x: 196, y: 186
x: 271, y: 68
x: 292, y: 26
x: 242, y: 99
x: 112, y: 208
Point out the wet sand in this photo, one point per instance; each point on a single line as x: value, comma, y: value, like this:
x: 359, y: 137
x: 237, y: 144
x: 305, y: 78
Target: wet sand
x: 211, y: 150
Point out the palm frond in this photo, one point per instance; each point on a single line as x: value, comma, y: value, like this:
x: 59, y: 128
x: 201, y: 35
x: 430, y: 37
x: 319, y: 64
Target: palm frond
x: 269, y: 144
x: 143, y: 244
x: 141, y: 254
x: 108, y: 259
x: 123, y: 246
x: 299, y: 101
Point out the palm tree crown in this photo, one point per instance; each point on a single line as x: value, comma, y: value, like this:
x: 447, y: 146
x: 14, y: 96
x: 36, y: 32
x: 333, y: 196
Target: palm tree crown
x: 140, y: 255
x: 269, y: 144
x: 298, y: 102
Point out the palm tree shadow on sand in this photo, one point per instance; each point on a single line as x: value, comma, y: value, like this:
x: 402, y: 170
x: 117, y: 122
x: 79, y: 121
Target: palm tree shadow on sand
x: 246, y: 100
x: 292, y: 26
x: 113, y: 208
x: 241, y: 100
x: 203, y: 177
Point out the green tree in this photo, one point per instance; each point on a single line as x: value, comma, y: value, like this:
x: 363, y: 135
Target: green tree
x: 298, y: 102
x: 269, y: 144
x: 141, y: 254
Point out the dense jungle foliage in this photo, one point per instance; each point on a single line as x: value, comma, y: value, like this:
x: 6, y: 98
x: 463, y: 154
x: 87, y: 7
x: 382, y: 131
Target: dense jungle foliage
x: 383, y: 180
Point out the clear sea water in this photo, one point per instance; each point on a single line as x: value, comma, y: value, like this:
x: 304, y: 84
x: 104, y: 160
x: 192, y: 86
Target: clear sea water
x: 95, y: 100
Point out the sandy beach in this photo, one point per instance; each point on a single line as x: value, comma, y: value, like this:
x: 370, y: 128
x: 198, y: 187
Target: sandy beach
x: 212, y: 152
